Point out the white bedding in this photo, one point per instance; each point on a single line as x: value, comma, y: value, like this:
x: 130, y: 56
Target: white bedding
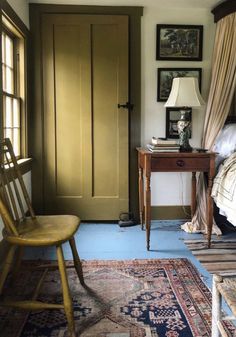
x: 224, y: 189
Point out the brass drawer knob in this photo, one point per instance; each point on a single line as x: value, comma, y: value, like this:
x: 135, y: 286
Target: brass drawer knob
x: 180, y: 163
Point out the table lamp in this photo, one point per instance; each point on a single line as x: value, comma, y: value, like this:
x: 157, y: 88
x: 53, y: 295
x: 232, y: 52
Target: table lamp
x: 184, y: 94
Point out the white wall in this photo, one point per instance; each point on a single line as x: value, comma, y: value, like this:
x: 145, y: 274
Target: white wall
x: 167, y: 188
x: 21, y: 8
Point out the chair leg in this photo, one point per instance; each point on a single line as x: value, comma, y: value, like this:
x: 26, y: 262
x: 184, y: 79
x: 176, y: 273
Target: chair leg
x: 216, y: 306
x: 17, y: 264
x: 77, y: 262
x: 7, y: 266
x: 68, y: 306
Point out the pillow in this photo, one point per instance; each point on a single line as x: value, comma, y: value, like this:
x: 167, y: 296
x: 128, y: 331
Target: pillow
x: 225, y: 143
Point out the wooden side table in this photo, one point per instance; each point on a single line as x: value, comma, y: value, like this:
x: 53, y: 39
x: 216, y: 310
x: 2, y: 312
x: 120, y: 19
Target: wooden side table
x: 174, y: 162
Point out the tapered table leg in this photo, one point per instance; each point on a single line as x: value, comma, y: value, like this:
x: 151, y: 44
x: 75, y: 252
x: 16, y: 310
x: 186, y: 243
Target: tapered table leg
x: 147, y: 170
x: 141, y: 202
x: 193, y: 201
x: 211, y: 175
x: 210, y: 211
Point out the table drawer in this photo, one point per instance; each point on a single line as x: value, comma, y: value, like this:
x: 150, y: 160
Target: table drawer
x: 179, y: 164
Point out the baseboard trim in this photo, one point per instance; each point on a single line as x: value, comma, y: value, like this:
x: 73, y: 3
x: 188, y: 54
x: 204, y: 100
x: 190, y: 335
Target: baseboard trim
x: 170, y: 212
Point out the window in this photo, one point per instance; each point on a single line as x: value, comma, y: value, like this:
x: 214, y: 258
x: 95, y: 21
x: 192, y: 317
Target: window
x: 11, y: 99
x: 13, y: 86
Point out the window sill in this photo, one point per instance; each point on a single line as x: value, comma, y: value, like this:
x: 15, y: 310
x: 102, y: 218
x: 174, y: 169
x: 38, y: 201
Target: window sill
x: 25, y: 165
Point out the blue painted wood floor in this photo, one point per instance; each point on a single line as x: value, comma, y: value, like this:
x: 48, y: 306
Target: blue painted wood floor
x: 109, y: 241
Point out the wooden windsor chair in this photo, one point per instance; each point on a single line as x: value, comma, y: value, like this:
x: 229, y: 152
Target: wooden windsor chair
x: 41, y: 231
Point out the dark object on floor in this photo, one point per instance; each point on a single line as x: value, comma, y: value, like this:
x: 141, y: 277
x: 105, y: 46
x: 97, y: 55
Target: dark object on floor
x: 137, y: 298
x: 127, y: 220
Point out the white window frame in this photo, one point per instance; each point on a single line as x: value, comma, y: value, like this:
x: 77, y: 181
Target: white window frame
x: 14, y: 27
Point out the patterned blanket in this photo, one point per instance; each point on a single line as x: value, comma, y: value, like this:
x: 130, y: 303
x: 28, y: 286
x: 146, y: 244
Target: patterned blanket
x: 224, y: 189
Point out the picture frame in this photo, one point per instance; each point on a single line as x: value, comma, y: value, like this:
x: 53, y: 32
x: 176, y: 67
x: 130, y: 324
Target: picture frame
x: 165, y: 77
x: 179, y: 42
x: 172, y: 118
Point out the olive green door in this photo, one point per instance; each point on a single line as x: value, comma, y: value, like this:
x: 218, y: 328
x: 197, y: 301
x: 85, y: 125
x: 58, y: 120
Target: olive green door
x: 85, y: 76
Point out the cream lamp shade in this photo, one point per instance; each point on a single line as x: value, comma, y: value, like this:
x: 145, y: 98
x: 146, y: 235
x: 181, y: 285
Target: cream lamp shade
x: 185, y: 93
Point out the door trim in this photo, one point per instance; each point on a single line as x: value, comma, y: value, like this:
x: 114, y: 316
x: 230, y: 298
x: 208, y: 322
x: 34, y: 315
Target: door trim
x: 36, y: 133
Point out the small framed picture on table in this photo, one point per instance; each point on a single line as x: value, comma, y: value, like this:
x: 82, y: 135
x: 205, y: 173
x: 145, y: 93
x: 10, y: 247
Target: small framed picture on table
x: 172, y: 118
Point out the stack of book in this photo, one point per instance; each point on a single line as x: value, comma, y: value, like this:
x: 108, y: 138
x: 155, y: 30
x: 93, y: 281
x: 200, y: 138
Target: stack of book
x: 163, y: 145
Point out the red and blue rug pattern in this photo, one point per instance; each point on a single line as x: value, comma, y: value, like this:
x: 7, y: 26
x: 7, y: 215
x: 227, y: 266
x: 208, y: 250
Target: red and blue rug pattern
x: 133, y: 298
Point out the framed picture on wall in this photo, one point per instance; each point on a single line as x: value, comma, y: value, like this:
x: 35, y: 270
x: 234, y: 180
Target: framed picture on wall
x: 179, y: 42
x: 165, y: 77
x: 172, y: 118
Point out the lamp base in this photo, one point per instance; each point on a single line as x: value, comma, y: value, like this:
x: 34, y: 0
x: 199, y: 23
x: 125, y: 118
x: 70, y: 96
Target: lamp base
x: 184, y: 149
x: 184, y: 131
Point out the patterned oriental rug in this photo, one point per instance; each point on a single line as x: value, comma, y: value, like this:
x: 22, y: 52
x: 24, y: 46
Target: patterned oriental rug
x: 136, y: 298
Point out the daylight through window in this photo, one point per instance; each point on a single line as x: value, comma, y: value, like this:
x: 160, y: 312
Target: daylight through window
x: 11, y: 101
x: 13, y: 86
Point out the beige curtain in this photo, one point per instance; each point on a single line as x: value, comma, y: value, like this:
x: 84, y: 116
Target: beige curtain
x: 222, y: 88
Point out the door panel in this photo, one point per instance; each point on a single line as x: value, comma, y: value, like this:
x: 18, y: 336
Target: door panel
x: 85, y: 76
x: 68, y: 112
x: 105, y: 112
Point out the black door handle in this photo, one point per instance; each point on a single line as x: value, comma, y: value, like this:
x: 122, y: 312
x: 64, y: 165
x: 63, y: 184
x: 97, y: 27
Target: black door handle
x: 127, y: 105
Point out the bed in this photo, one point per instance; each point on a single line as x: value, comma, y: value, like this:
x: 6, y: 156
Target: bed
x: 224, y: 186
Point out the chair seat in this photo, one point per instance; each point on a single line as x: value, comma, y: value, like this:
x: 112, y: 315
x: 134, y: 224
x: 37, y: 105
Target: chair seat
x: 45, y: 230
x: 227, y: 289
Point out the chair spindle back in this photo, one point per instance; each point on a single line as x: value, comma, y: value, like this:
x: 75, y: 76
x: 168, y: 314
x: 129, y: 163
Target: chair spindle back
x: 14, y: 199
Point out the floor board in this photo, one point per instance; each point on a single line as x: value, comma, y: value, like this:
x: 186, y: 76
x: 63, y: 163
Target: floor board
x: 219, y: 258
x: 109, y: 241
